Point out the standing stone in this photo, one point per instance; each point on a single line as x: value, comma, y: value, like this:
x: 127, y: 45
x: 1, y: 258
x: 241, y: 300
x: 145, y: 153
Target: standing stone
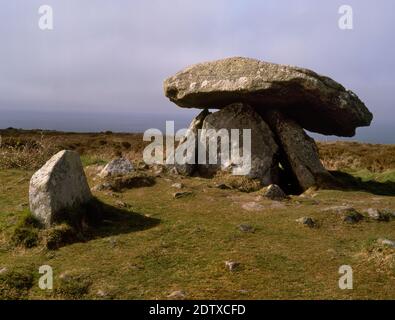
x: 117, y: 167
x: 58, y: 186
x: 300, y: 150
x: 192, y: 136
x: 263, y: 146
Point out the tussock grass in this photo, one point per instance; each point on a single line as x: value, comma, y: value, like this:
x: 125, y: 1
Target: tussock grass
x: 16, y: 283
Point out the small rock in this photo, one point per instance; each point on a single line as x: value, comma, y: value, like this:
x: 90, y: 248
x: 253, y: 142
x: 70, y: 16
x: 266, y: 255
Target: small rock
x: 274, y: 192
x: 307, y: 221
x: 252, y: 206
x: 177, y: 185
x: 177, y: 295
x: 378, y: 215
x: 232, y: 265
x: 387, y: 242
x: 117, y: 167
x: 353, y: 217
x: 246, y: 228
x: 3, y: 270
x: 178, y: 195
x: 101, y: 293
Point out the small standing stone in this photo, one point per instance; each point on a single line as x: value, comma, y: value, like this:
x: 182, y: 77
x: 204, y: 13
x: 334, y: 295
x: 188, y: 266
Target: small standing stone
x: 58, y: 186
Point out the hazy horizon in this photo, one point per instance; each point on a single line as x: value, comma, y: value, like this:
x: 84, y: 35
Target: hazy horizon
x: 112, y: 58
x: 139, y: 122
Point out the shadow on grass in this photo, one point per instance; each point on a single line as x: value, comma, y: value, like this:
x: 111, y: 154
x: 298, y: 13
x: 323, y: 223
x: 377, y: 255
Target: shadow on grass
x: 116, y: 221
x: 95, y: 220
x: 349, y: 182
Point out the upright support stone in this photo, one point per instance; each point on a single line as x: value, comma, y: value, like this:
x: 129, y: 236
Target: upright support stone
x: 190, y: 160
x: 300, y: 150
x: 264, y: 150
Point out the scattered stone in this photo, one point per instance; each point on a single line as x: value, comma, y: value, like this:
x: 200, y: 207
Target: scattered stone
x: 353, y: 217
x: 263, y: 146
x: 387, y: 242
x: 378, y: 215
x: 246, y: 228
x: 307, y: 221
x: 117, y: 167
x: 101, y: 293
x: 58, y: 186
x: 274, y: 192
x: 232, y: 265
x: 177, y: 185
x: 177, y: 295
x: 252, y: 206
x: 316, y: 102
x: 178, y: 195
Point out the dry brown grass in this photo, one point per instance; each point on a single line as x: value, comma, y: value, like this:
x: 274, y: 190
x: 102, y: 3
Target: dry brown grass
x: 342, y: 155
x: 29, y: 149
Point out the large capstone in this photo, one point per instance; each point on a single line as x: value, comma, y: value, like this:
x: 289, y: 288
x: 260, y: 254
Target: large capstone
x: 316, y: 102
x: 264, y: 150
x: 60, y: 185
x: 299, y: 151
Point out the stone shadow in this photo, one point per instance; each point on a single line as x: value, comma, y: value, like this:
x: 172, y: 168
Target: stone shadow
x: 347, y: 181
x: 99, y: 220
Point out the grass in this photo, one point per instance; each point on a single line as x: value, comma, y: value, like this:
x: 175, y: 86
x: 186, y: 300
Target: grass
x: 158, y: 244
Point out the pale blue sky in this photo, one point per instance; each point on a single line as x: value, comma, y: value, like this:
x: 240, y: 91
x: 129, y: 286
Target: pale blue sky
x: 114, y: 55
